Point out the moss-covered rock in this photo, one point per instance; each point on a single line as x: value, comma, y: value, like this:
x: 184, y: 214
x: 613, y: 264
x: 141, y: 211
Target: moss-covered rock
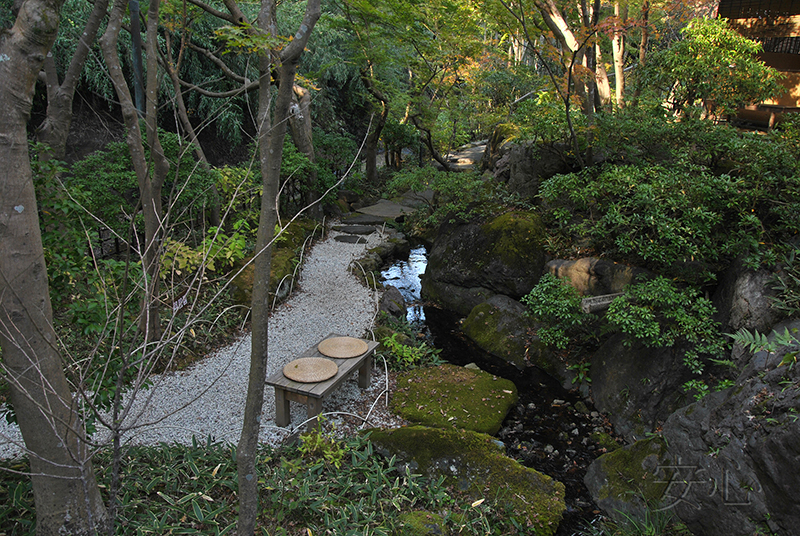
x: 420, y: 523
x: 471, y: 262
x: 474, y: 464
x: 449, y: 396
x: 500, y: 327
x: 625, y: 481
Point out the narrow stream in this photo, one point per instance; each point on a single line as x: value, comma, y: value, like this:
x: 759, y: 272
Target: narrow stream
x: 549, y: 430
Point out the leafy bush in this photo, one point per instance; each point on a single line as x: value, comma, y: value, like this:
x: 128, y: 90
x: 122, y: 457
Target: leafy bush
x: 654, y: 312
x: 659, y: 314
x: 557, y: 305
x: 681, y: 221
x: 543, y: 119
x: 713, y: 65
x: 787, y: 283
x: 109, y: 180
x: 457, y: 196
x: 402, y: 357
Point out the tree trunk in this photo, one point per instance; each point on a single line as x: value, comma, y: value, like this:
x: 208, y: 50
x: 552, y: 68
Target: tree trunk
x: 270, y: 144
x: 66, y: 495
x: 374, y: 136
x: 54, y: 130
x: 302, y: 135
x: 150, y: 180
x: 603, y: 87
x: 618, y: 50
x: 645, y: 24
x: 214, y: 211
x: 427, y: 138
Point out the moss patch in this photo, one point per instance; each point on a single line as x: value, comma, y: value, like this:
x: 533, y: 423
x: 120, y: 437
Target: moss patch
x: 420, y: 523
x: 474, y: 464
x: 500, y: 332
x: 449, y: 396
x: 635, y: 471
x: 517, y: 237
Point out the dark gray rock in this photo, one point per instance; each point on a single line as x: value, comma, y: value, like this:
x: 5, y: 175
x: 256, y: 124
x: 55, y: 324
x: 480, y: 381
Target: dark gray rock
x: 733, y: 457
x: 350, y: 239
x: 392, y: 302
x: 637, y: 386
x: 363, y: 219
x: 355, y: 229
x: 470, y: 262
x: 524, y: 166
x: 626, y: 481
x: 742, y: 299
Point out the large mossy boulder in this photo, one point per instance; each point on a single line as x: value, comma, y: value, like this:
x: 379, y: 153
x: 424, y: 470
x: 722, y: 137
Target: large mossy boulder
x: 628, y: 481
x: 449, y: 396
x: 470, y: 262
x: 476, y: 465
x: 729, y: 462
x: 500, y: 327
x: 743, y: 447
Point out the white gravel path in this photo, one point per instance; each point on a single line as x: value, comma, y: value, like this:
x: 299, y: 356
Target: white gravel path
x: 208, y: 399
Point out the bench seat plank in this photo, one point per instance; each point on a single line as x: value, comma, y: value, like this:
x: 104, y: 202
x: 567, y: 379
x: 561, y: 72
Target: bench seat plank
x: 313, y: 394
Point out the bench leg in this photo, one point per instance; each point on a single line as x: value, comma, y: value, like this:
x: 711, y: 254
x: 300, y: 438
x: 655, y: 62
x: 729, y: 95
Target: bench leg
x: 281, y: 408
x: 314, y: 409
x: 365, y: 373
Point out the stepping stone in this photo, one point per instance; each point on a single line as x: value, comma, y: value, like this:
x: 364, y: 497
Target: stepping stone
x: 386, y: 209
x: 350, y: 239
x: 354, y: 229
x: 363, y: 219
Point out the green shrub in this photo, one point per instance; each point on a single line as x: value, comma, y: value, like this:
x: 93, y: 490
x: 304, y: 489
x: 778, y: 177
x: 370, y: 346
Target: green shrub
x: 681, y: 221
x: 109, y: 180
x: 659, y: 314
x: 457, y: 196
x: 557, y: 305
x: 655, y: 312
x: 787, y: 284
x: 401, y: 356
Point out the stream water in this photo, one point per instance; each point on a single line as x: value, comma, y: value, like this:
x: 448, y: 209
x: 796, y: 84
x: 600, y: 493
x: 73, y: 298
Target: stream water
x: 550, y: 429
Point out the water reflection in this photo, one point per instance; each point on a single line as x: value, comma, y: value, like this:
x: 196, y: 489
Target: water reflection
x: 405, y: 276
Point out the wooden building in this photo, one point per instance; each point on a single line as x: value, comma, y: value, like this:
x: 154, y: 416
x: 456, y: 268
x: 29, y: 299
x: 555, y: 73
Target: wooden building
x: 776, y: 25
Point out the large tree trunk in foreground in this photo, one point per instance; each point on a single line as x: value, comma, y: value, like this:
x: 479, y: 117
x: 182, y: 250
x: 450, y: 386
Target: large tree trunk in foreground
x: 65, y: 491
x: 271, y: 134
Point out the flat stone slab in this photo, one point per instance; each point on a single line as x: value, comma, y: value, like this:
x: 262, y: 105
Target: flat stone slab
x: 354, y: 229
x: 363, y: 219
x: 386, y: 209
x: 350, y: 239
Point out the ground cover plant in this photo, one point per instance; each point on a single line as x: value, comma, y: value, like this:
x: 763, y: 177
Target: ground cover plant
x: 321, y: 485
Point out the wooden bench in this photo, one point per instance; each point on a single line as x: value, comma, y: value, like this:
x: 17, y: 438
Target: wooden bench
x: 313, y: 394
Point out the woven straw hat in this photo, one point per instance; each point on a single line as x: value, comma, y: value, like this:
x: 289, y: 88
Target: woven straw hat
x: 342, y: 347
x: 310, y: 370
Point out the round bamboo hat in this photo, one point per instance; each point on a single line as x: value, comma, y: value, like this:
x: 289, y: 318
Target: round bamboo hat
x: 342, y: 347
x: 310, y: 369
